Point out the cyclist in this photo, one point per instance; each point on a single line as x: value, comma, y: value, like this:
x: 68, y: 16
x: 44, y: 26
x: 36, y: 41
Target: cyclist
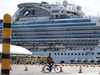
x: 50, y: 61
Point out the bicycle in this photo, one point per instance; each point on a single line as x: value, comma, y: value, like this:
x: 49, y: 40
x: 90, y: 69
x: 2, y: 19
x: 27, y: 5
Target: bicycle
x: 55, y: 67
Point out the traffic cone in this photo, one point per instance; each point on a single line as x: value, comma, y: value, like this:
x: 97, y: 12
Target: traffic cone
x: 39, y: 64
x: 71, y: 65
x: 87, y: 65
x: 76, y: 64
x: 80, y: 70
x: 10, y: 68
x: 91, y: 65
x: 84, y: 65
x: 63, y: 65
x: 61, y: 69
x: 99, y: 65
x: 26, y: 69
x: 19, y: 64
x: 43, y: 69
x: 24, y: 64
x: 31, y: 64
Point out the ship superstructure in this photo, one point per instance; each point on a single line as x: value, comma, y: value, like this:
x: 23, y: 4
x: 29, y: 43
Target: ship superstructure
x: 62, y: 30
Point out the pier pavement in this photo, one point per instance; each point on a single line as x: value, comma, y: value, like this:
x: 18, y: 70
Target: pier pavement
x: 67, y: 70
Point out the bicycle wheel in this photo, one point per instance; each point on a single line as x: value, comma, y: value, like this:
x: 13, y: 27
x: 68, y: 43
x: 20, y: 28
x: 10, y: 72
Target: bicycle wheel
x: 57, y: 68
x: 46, y: 68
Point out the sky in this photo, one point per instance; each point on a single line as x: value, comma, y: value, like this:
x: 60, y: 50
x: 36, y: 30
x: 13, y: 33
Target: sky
x: 89, y: 7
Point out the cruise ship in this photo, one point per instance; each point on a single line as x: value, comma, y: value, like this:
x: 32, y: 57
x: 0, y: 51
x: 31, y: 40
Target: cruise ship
x: 61, y: 29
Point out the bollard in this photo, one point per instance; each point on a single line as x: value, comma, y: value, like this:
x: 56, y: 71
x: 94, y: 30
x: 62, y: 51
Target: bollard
x: 5, y: 66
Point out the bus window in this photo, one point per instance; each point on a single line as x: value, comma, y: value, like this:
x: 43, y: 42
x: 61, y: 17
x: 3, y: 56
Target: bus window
x: 26, y: 57
x: 13, y: 58
x: 32, y: 56
x: 39, y: 57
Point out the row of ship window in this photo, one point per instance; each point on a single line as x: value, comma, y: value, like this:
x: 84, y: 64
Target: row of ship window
x: 45, y: 26
x: 98, y: 53
x: 17, y: 40
x: 65, y: 21
x: 69, y: 44
x: 65, y: 49
x: 66, y: 25
x: 72, y: 53
x: 54, y: 50
x: 63, y: 40
x: 53, y: 34
x: 76, y: 29
x: 57, y: 37
x: 55, y: 30
x: 37, y: 40
x: 81, y: 40
x: 76, y: 49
